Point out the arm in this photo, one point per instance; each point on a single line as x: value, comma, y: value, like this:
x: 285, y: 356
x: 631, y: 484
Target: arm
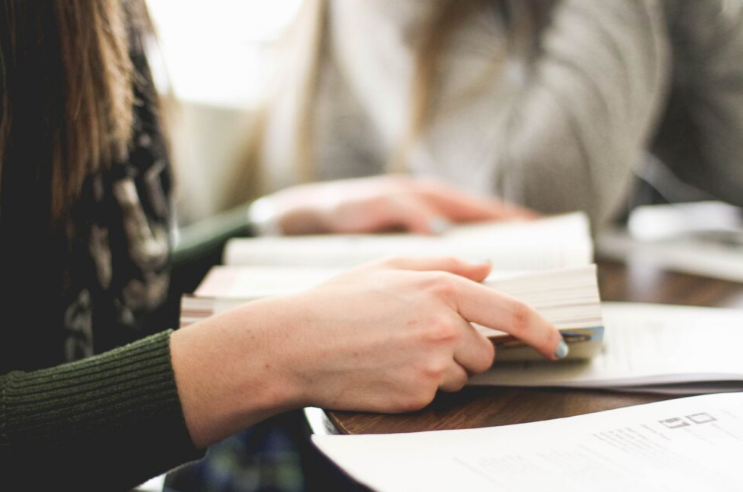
x: 701, y: 136
x: 105, y: 423
x: 576, y: 130
x: 384, y: 337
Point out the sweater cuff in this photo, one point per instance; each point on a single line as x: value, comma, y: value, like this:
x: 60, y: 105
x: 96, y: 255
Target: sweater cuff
x: 110, y: 421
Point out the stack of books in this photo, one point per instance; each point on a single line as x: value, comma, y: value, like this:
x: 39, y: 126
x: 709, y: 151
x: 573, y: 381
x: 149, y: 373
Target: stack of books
x: 545, y: 263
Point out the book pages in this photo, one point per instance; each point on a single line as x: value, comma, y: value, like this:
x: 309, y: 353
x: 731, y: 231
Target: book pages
x: 567, y: 297
x: 553, y: 242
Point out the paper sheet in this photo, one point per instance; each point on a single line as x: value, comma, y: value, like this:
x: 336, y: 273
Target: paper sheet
x: 645, y: 344
x: 691, y: 444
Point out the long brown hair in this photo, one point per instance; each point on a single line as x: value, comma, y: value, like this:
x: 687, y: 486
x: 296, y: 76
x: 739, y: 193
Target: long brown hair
x: 66, y: 93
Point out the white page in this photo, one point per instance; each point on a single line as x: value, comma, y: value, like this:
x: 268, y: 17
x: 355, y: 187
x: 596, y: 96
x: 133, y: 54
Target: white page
x: 691, y: 444
x: 644, y: 344
x: 553, y: 242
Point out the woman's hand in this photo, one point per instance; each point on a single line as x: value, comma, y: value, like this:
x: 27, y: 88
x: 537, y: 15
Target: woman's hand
x: 386, y: 336
x: 383, y: 337
x: 376, y: 204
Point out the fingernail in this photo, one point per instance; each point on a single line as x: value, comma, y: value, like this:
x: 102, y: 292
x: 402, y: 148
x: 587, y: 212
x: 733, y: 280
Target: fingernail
x: 562, y: 350
x: 438, y: 225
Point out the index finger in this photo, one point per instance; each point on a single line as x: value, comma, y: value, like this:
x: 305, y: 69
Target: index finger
x: 489, y: 308
x: 460, y: 206
x: 451, y: 264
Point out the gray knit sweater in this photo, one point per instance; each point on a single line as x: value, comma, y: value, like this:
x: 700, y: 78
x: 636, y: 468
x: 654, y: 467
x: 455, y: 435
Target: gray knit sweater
x: 562, y: 127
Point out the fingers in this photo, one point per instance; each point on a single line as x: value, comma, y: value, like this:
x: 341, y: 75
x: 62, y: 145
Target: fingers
x: 415, y: 215
x: 519, y: 212
x: 426, y: 208
x: 383, y: 213
x: 383, y: 203
x: 465, y: 207
x: 487, y: 307
x: 476, y: 272
x: 461, y: 207
x: 454, y: 379
x: 474, y: 352
x: 483, y: 305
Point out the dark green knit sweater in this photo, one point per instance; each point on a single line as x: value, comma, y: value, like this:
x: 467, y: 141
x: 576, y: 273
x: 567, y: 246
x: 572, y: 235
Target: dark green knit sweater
x: 105, y: 423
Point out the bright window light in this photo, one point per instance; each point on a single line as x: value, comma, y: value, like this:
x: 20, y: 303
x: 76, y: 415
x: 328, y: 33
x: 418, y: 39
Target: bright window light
x: 220, y: 51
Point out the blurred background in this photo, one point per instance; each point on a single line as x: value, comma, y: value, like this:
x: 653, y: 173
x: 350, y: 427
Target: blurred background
x: 214, y: 60
x: 213, y: 63
x: 216, y: 63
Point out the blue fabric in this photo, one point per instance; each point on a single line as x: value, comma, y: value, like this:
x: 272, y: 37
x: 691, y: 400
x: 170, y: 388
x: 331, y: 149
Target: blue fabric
x: 273, y: 456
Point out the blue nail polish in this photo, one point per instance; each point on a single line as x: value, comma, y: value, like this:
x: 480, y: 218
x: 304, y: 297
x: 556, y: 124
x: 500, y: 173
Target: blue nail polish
x: 562, y: 350
x: 438, y: 225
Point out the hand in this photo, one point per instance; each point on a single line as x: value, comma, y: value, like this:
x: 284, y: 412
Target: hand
x: 381, y: 204
x: 383, y: 337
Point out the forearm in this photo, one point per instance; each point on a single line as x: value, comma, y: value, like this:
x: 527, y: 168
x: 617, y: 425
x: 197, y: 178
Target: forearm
x: 381, y: 337
x: 575, y: 132
x: 104, y: 423
x: 228, y: 372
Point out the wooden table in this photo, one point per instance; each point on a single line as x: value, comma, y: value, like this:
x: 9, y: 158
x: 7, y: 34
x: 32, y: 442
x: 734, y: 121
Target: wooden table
x: 483, y: 407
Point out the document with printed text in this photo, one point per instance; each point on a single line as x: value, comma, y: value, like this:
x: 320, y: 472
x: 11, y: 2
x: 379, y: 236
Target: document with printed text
x: 691, y: 444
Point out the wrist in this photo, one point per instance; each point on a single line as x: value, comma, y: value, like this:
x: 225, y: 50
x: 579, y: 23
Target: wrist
x: 227, y: 375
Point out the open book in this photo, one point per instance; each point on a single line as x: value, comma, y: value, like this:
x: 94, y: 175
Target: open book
x: 553, y: 242
x: 649, y: 348
x: 687, y: 444
x: 567, y: 297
